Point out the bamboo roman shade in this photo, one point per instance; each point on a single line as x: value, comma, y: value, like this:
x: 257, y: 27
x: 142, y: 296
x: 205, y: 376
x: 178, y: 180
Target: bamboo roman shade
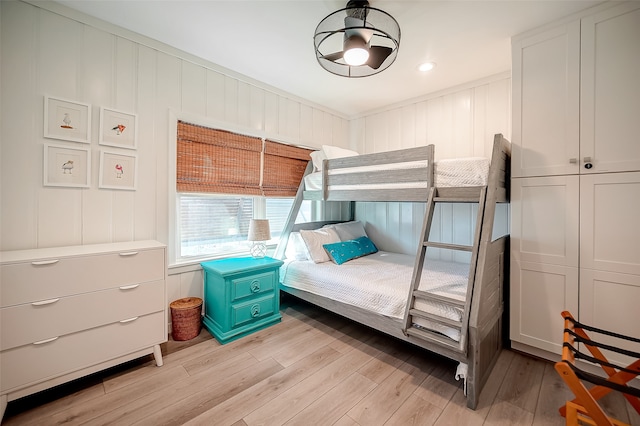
x: 284, y: 167
x: 216, y: 161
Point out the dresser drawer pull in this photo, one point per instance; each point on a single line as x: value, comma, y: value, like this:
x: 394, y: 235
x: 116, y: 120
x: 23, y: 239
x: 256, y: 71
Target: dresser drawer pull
x: 41, y: 342
x: 129, y: 287
x: 129, y: 253
x: 255, y: 286
x: 255, y: 311
x: 45, y: 302
x: 128, y: 320
x: 45, y: 262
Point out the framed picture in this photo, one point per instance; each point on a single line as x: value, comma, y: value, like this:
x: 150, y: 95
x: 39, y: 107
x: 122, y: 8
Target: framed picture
x: 67, y: 120
x: 118, y: 128
x: 67, y: 166
x: 118, y: 171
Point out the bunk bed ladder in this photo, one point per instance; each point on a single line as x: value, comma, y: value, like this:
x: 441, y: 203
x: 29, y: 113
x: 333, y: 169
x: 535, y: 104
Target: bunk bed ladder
x: 448, y: 195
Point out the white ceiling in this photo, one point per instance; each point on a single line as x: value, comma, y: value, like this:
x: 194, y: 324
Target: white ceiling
x: 272, y: 41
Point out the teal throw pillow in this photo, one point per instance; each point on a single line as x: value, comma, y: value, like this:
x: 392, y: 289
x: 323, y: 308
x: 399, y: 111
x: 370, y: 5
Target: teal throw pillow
x: 347, y: 250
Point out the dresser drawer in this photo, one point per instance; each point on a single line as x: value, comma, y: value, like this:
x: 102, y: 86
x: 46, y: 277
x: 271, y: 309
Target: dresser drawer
x: 252, y: 285
x: 32, y: 363
x: 33, y: 322
x: 253, y: 310
x: 51, y: 278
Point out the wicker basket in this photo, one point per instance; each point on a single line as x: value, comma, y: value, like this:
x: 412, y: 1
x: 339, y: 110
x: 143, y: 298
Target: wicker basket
x: 185, y: 318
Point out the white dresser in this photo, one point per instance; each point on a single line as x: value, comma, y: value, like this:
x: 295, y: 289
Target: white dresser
x: 66, y: 312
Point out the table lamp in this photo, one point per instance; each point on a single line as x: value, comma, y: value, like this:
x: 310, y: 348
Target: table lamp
x: 259, y: 234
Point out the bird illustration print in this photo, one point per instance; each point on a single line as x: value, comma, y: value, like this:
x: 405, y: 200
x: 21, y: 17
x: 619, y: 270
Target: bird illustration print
x: 119, y: 129
x: 67, y: 121
x: 67, y: 167
x: 119, y: 171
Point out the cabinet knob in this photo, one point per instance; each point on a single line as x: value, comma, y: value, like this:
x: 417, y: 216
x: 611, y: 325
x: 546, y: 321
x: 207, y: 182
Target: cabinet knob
x: 587, y: 159
x: 255, y: 286
x: 255, y: 310
x: 588, y: 166
x: 573, y: 161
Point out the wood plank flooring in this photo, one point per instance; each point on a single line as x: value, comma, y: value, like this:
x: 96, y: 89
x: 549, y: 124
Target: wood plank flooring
x: 313, y: 368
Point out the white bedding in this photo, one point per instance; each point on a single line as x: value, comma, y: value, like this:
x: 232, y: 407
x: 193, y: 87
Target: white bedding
x: 380, y: 283
x: 472, y: 171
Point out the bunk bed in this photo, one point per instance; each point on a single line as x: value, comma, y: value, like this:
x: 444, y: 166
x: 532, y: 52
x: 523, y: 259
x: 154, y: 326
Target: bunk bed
x: 453, y: 309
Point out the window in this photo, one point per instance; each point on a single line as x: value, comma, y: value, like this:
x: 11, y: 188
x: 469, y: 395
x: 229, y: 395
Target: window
x: 223, y: 180
x: 217, y: 225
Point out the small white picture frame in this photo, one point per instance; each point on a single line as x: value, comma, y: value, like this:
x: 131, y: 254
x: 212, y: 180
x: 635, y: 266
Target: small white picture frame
x: 67, y: 166
x: 117, y: 128
x: 118, y: 171
x: 67, y: 120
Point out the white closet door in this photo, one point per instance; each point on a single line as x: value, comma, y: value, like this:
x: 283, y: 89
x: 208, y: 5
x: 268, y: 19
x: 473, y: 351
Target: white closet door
x: 609, y: 224
x: 546, y: 102
x: 544, y: 220
x: 610, y: 98
x: 539, y: 293
x: 609, y: 301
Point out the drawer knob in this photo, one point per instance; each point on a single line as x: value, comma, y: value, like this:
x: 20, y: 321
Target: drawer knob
x: 255, y: 286
x: 44, y: 262
x: 129, y: 287
x: 129, y: 253
x: 124, y: 321
x: 45, y: 302
x: 41, y: 342
x: 255, y: 310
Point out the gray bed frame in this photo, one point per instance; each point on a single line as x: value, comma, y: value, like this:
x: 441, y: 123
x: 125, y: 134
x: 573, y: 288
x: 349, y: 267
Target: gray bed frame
x: 483, y: 331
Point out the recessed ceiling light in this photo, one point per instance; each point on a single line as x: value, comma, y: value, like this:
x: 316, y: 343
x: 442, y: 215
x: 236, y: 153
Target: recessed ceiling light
x: 427, y: 66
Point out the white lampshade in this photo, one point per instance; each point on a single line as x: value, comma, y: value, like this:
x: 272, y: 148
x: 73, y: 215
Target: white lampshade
x: 259, y: 233
x: 259, y: 230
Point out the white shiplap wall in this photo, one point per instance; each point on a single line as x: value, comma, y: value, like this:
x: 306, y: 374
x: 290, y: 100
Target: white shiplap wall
x: 460, y: 122
x: 53, y: 51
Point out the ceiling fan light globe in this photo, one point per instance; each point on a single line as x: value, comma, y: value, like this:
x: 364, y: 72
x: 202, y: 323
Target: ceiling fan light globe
x: 356, y: 56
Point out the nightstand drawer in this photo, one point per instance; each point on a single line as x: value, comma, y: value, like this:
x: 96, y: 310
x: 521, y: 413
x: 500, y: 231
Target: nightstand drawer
x: 254, y: 310
x: 252, y: 285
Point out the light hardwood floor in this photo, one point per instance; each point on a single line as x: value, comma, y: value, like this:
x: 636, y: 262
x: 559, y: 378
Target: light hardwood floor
x: 313, y: 368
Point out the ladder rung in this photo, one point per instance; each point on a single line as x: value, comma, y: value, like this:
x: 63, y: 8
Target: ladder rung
x: 448, y: 246
x: 443, y: 299
x: 434, y: 337
x: 436, y: 318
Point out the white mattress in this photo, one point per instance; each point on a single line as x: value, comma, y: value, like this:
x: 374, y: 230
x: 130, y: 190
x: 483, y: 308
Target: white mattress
x: 472, y: 171
x: 380, y: 283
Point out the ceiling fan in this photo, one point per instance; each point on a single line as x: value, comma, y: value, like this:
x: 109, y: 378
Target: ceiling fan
x: 357, y: 41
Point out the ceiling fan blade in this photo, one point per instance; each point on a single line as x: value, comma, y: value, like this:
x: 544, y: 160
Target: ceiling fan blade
x: 363, y: 33
x: 377, y: 55
x: 333, y: 56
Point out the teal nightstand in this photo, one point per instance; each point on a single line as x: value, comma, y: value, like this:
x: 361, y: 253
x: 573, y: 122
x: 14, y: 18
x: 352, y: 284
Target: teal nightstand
x: 241, y: 295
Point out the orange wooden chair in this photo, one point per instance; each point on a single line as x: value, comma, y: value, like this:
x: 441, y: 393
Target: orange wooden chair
x: 584, y: 409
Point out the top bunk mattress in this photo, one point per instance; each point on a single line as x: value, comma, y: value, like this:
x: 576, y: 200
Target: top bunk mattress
x: 457, y: 172
x: 380, y: 283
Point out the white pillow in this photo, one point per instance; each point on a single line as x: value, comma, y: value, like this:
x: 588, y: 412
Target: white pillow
x: 314, y: 241
x: 349, y: 230
x: 331, y: 152
x: 317, y: 157
x: 296, y: 249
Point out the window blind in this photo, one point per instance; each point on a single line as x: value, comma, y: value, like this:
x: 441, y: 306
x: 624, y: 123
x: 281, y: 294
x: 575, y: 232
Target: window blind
x: 284, y: 167
x: 221, y: 162
x: 217, y: 161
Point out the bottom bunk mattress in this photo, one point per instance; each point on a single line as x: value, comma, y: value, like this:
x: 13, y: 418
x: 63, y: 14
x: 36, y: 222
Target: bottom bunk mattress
x: 380, y: 283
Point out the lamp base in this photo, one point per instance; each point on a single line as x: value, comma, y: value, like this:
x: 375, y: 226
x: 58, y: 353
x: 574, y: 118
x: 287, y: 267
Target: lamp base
x: 258, y: 249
